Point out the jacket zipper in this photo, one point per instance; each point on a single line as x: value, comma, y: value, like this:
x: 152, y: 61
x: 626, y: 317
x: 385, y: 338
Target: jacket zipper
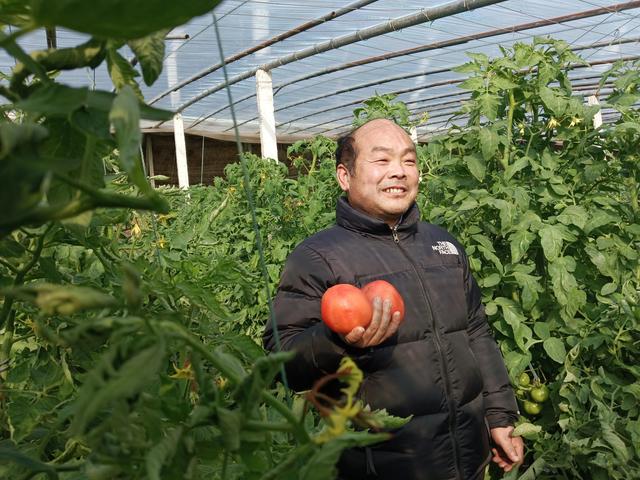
x: 443, y: 358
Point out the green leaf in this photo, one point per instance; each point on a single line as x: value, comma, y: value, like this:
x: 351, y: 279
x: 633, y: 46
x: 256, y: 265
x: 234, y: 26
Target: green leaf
x: 9, y: 248
x: 13, y: 135
x: 527, y: 430
x: 321, y: 465
x: 149, y: 51
x: 475, y: 164
x: 54, y: 99
x: 555, y: 349
x: 515, y: 167
x: 383, y: 420
x: 473, y: 84
x: 122, y: 72
x: 10, y: 453
x: 520, y: 242
x: 608, y: 288
x: 553, y: 100
x: 598, y: 218
x: 489, y: 141
x: 574, y: 215
x: 162, y: 453
x: 491, y: 280
x: 230, y: 423
x: 106, y: 383
x: 503, y: 83
x: 62, y: 299
x: 617, y: 444
x: 489, y: 104
x: 479, y: 58
x: 125, y: 118
x: 530, y: 289
x: 542, y: 330
x: 124, y: 19
x: 103, y: 101
x: 551, y: 239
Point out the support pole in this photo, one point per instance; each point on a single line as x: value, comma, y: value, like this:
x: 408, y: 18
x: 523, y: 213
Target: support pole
x: 181, y: 151
x: 597, y: 118
x: 413, y: 132
x: 264, y: 93
x: 148, y: 146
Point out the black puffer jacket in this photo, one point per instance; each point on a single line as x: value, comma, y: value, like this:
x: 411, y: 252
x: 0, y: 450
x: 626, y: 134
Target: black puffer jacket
x: 442, y: 366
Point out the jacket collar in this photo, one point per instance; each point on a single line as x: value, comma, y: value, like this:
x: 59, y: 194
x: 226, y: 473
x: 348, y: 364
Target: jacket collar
x: 352, y: 219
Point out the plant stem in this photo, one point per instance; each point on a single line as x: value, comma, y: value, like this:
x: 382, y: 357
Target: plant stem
x: 269, y: 399
x: 507, y: 149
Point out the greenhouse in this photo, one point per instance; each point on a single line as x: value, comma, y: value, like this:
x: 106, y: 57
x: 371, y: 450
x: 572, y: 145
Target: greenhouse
x: 177, y: 284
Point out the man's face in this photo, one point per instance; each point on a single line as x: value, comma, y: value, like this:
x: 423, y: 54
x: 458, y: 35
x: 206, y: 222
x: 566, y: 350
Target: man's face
x: 384, y: 183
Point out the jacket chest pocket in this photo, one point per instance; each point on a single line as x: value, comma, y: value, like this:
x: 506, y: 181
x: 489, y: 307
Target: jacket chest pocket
x: 444, y: 285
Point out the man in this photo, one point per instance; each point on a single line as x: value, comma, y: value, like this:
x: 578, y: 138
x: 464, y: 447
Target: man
x: 440, y: 364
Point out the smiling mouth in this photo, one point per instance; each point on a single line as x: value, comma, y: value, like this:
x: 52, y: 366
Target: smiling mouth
x: 394, y: 190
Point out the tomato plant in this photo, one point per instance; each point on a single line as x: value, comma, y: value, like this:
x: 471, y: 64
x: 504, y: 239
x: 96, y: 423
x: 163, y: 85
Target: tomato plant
x: 547, y: 208
x: 539, y: 393
x: 524, y: 380
x: 532, y: 408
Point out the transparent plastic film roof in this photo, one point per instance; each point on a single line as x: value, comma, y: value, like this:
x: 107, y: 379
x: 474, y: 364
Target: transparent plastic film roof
x: 326, y: 58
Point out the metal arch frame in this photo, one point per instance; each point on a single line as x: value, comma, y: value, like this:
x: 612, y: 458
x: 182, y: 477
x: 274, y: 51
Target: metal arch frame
x: 428, y: 47
x: 452, y: 82
x: 403, y: 77
x: 424, y: 15
x: 273, y: 40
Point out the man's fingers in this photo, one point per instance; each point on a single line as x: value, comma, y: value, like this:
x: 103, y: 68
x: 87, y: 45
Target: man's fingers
x: 355, y: 335
x: 393, y: 326
x: 519, y: 446
x: 375, y: 321
x: 380, y: 334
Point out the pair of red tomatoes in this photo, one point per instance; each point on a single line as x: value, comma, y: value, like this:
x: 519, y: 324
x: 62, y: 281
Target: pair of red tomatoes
x: 345, y: 307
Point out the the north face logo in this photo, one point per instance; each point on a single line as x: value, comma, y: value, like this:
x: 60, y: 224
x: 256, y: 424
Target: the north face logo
x: 445, y: 248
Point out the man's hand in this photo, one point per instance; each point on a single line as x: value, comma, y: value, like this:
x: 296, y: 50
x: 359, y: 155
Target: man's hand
x: 382, y: 326
x: 509, y: 451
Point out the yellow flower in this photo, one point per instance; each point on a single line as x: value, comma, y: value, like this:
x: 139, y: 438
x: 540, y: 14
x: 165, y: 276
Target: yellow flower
x: 521, y: 128
x: 185, y: 373
x: 553, y: 123
x: 162, y: 242
x: 136, y: 231
x: 164, y: 218
x: 575, y: 121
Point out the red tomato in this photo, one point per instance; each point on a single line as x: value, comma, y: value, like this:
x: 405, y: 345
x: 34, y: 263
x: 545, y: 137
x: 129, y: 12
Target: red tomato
x: 344, y: 307
x: 385, y: 290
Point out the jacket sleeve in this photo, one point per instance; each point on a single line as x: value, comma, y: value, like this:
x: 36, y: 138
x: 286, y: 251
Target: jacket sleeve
x: 501, y: 408
x: 305, y: 278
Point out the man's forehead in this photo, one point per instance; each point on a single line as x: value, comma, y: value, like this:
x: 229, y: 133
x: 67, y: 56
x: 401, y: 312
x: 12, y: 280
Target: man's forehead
x: 382, y: 135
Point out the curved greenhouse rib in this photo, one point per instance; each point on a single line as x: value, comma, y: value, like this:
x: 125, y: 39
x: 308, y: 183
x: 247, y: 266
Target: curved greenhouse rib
x: 424, y: 15
x: 453, y: 82
x: 447, y: 109
x: 467, y: 38
x: 404, y: 77
x: 278, y: 38
x: 438, y: 45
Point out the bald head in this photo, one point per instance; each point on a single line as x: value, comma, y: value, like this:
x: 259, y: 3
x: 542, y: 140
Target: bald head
x: 347, y: 150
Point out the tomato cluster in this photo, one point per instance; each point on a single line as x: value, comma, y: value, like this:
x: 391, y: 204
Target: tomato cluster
x: 532, y: 395
x: 345, y: 307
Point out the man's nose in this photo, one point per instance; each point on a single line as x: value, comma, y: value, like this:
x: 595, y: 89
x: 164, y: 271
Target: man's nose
x: 397, y: 169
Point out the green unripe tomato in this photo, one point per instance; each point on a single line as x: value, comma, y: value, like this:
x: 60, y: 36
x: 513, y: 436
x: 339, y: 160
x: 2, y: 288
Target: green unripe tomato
x: 524, y: 380
x: 532, y: 408
x: 539, y: 393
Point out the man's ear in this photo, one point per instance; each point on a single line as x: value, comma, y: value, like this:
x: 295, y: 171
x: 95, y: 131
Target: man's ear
x: 343, y: 176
